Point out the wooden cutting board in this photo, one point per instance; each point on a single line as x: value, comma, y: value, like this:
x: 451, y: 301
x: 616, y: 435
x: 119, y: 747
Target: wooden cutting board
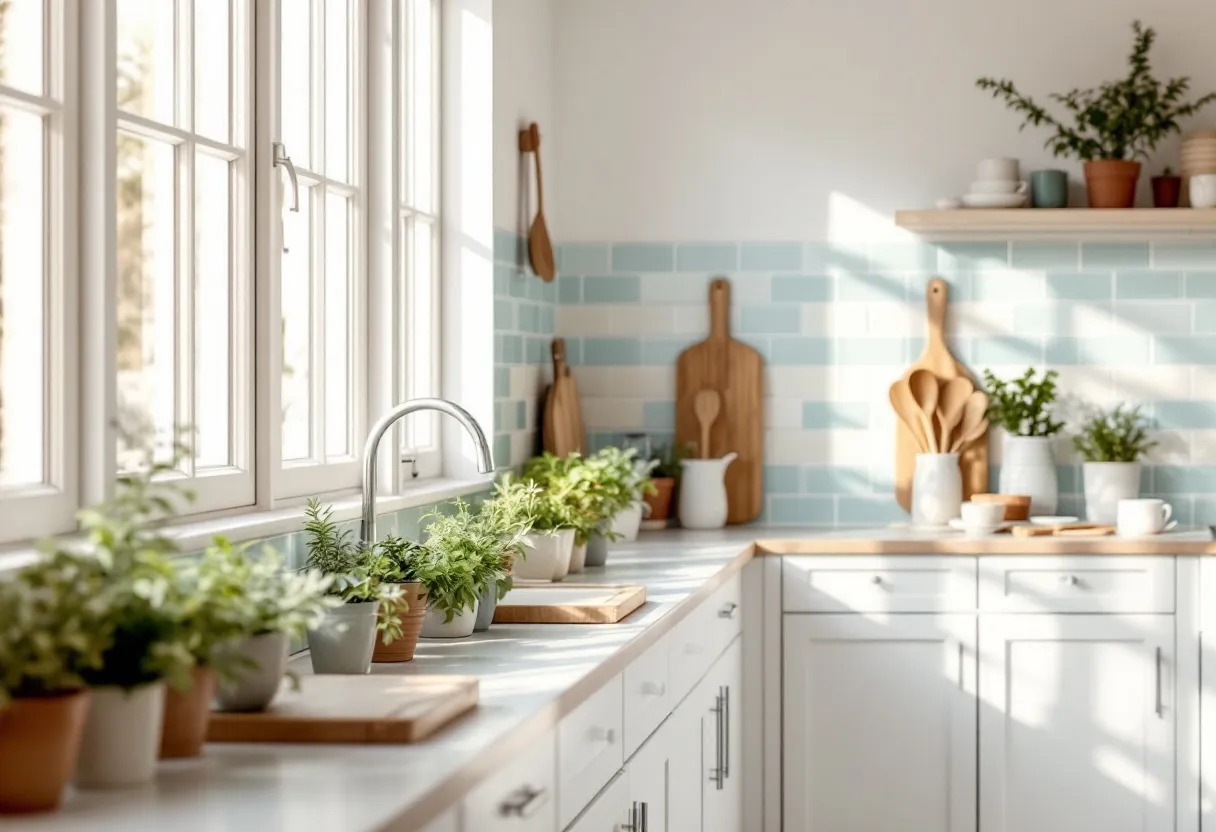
x: 736, y: 371
x: 353, y: 709
x: 937, y: 358
x: 563, y: 428
x: 550, y: 603
x: 1064, y: 530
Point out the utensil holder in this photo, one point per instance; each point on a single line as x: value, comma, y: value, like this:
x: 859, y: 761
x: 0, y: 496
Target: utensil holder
x: 937, y: 489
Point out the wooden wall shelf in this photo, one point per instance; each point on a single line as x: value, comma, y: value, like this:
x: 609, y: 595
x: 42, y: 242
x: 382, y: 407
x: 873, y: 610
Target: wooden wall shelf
x: 1131, y: 223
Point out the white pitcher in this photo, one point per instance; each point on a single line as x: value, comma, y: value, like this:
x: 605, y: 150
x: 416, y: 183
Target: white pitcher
x: 703, y: 492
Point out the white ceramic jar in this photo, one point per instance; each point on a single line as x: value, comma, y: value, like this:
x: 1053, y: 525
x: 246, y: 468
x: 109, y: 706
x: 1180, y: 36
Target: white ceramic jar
x: 546, y: 556
x: 937, y: 489
x: 436, y: 625
x: 1106, y: 483
x: 703, y: 492
x: 1027, y: 467
x: 121, y: 741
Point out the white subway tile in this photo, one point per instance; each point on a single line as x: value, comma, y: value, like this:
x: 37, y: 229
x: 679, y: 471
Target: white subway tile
x: 1203, y: 447
x: 582, y: 321
x: 612, y: 413
x: 690, y: 320
x: 522, y: 446
x: 798, y: 382
x: 782, y: 413
x: 896, y: 320
x: 972, y: 318
x: 642, y: 382
x: 1139, y: 384
x: 1173, y: 448
x: 1203, y: 382
x: 641, y: 320
x: 1082, y: 387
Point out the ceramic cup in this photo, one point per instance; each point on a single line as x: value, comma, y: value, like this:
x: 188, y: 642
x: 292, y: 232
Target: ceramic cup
x: 1203, y: 190
x: 998, y: 187
x: 997, y: 170
x: 978, y: 517
x: 1049, y: 189
x: 1137, y: 518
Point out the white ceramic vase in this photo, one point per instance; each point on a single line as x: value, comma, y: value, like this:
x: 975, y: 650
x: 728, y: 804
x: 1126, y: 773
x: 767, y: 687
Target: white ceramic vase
x: 1027, y: 467
x: 547, y: 557
x: 578, y: 557
x: 627, y: 522
x: 461, y: 625
x: 121, y: 741
x: 345, y: 640
x: 486, y: 605
x: 703, y: 492
x: 1106, y: 483
x: 597, y: 550
x: 937, y: 489
x: 254, y: 687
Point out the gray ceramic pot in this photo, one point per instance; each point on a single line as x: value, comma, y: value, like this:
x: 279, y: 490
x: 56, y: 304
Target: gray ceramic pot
x: 597, y: 550
x: 254, y: 687
x: 345, y: 640
x: 485, y: 609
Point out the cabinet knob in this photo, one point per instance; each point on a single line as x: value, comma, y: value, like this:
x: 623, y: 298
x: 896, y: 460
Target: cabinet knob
x: 654, y: 688
x: 1069, y: 580
x: 523, y: 803
x: 607, y: 735
x: 728, y: 610
x: 876, y: 580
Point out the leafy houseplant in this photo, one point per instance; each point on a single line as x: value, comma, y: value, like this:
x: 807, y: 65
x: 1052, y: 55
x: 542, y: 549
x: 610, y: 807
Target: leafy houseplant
x: 1111, y: 445
x: 1023, y: 407
x: 400, y: 558
x: 1113, y: 124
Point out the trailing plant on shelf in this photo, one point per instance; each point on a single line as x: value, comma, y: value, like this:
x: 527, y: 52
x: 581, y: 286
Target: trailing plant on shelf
x: 1118, y: 435
x: 1023, y: 406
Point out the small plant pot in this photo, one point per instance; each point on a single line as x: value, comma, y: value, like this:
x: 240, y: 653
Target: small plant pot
x: 186, y: 717
x: 486, y: 604
x: 345, y: 640
x: 660, y: 501
x: 597, y: 550
x: 121, y: 737
x: 1106, y: 483
x: 627, y: 522
x: 39, y: 746
x: 1111, y: 183
x: 461, y: 625
x: 261, y: 665
x: 1167, y: 190
x: 578, y: 557
x: 547, y: 555
x: 402, y: 649
x: 1027, y: 467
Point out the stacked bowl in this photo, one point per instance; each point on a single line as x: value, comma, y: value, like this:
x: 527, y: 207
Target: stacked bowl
x: 1198, y: 157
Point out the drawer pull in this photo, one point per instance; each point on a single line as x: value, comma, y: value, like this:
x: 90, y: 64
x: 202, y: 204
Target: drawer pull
x: 607, y: 735
x: 654, y: 689
x: 694, y: 648
x: 876, y: 580
x: 1069, y: 580
x: 728, y: 610
x: 523, y: 803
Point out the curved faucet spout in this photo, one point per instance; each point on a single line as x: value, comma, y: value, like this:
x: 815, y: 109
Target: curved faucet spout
x: 485, y: 460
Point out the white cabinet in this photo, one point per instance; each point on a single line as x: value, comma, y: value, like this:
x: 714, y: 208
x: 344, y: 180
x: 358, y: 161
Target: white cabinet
x: 686, y: 778
x: 649, y: 774
x: 521, y: 797
x: 879, y: 723
x: 719, y: 697
x: 1077, y: 723
x: 449, y: 822
x: 589, y: 749
x: 609, y: 812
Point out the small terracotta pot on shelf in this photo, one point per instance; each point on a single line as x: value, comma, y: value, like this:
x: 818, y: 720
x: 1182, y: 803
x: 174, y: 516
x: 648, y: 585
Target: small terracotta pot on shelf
x: 1111, y: 183
x: 39, y: 747
x: 186, y: 717
x: 402, y: 649
x: 660, y: 501
x: 1167, y: 190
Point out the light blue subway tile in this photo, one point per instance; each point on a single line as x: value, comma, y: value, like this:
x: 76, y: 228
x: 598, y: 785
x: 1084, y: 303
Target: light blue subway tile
x: 870, y: 287
x: 1184, y: 255
x: 1184, y: 479
x: 1204, y: 315
x: 762, y: 344
x: 801, y: 288
x: 527, y: 317
x: 1006, y: 349
x: 500, y: 356
x: 1008, y: 286
x: 504, y: 315
x: 521, y: 416
x: 612, y: 351
x: 972, y: 257
x: 676, y: 289
x: 1205, y: 511
x: 512, y: 349
x: 781, y: 479
x: 499, y: 423
x: 538, y: 351
x: 867, y: 511
x: 574, y: 350
x: 547, y: 324
x: 502, y: 451
x: 800, y: 511
x: 550, y: 292
x: 1144, y: 285
x: 1185, y: 415
x: 1114, y: 255
x: 871, y: 350
x: 1113, y: 350
x: 958, y: 286
x: 659, y: 415
x: 801, y: 351
x: 1059, y: 319
x: 823, y: 415
x: 837, y: 479
x: 1164, y: 317
x: 1083, y: 286
x: 1071, y: 505
x: 621, y: 289
x: 536, y: 287
x: 507, y: 246
x: 707, y: 257
x: 663, y: 351
x: 770, y: 257
x: 643, y: 257
x: 569, y: 289
x: 502, y: 280
x: 1045, y: 255
x: 584, y: 258
x: 502, y: 382
x: 1201, y: 284
x: 1068, y: 477
x: 1195, y: 349
x: 772, y: 320
x: 835, y: 257
x: 912, y: 256
x: 519, y: 283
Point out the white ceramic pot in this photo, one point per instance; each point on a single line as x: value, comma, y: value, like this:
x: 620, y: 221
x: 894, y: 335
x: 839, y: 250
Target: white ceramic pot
x: 345, y: 640
x: 597, y: 550
x: 1027, y: 467
x: 121, y: 741
x: 1202, y: 190
x: 486, y: 605
x: 703, y: 492
x: 461, y: 625
x: 1106, y: 483
x: 937, y: 489
x: 547, y: 557
x: 627, y: 522
x: 578, y: 557
x: 254, y: 687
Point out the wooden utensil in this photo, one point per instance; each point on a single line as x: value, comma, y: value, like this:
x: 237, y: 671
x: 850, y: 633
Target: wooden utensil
x: 967, y: 437
x: 969, y: 428
x: 706, y: 406
x: 736, y: 371
x: 562, y: 428
x: 951, y: 401
x: 923, y: 385
x: 905, y: 407
x: 937, y: 358
x: 550, y: 603
x: 540, y: 248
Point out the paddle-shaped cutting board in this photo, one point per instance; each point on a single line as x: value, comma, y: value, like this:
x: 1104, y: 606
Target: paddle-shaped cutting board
x: 937, y: 359
x: 736, y: 371
x: 382, y: 708
x: 550, y: 603
x: 563, y: 430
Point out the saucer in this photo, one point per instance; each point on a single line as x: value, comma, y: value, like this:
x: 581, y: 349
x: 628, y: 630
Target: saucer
x: 994, y: 200
x: 1044, y: 520
x: 957, y: 525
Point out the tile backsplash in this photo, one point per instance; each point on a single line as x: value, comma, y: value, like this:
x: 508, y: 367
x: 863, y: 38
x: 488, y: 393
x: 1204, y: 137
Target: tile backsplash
x: 836, y: 323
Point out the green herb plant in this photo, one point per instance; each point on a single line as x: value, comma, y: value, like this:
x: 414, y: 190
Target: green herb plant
x: 1118, y: 435
x: 668, y: 459
x: 465, y: 553
x: 1023, y: 406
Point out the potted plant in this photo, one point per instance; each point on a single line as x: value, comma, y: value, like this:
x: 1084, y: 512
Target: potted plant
x: 54, y: 629
x: 400, y: 643
x: 1111, y: 445
x: 509, y: 515
x: 664, y: 476
x: 458, y: 560
x: 638, y: 481
x: 1167, y: 189
x: 1114, y: 123
x: 1023, y: 407
x: 608, y: 482
x: 558, y: 516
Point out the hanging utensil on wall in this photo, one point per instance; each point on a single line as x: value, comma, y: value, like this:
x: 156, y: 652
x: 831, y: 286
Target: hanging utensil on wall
x: 540, y: 248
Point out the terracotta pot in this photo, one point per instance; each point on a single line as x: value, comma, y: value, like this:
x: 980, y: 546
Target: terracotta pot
x: 402, y: 649
x: 1166, y: 191
x: 186, y: 717
x: 660, y: 501
x: 39, y: 745
x: 1111, y: 183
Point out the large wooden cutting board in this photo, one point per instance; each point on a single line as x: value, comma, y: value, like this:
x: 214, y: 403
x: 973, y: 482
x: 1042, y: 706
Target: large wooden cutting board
x: 937, y: 358
x: 564, y: 603
x: 353, y: 709
x: 563, y: 429
x: 736, y: 371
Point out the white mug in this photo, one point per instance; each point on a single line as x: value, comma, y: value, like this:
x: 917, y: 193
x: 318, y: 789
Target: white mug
x: 999, y: 187
x: 1136, y: 518
x: 997, y: 170
x: 982, y: 516
x: 1202, y: 190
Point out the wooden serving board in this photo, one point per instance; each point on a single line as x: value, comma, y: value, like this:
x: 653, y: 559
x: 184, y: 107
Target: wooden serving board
x: 937, y: 358
x: 736, y: 371
x: 563, y: 430
x: 1064, y: 530
x: 353, y: 709
x: 550, y: 603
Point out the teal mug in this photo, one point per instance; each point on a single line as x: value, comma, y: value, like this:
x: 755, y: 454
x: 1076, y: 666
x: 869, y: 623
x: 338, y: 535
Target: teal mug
x: 1049, y: 189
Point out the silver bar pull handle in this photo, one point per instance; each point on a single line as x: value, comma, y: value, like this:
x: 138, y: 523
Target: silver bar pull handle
x: 961, y: 674
x: 632, y: 825
x: 716, y: 773
x: 524, y: 803
x: 281, y: 159
x: 1160, y: 708
x: 645, y: 817
x: 726, y: 732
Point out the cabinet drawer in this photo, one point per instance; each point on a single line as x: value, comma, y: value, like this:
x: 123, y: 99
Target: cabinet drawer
x: 448, y: 823
x: 522, y: 797
x: 589, y: 750
x: 647, y: 694
x: 703, y: 635
x: 1077, y: 583
x: 878, y: 583
x: 610, y: 812
x: 725, y: 615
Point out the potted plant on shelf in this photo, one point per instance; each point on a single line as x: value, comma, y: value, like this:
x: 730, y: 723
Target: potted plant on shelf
x: 639, y: 482
x: 1167, y: 189
x: 559, y: 515
x: 509, y: 516
x: 460, y: 558
x: 1111, y: 445
x: 399, y: 644
x: 1115, y: 123
x: 1023, y: 407
x: 608, y: 481
x: 664, y: 475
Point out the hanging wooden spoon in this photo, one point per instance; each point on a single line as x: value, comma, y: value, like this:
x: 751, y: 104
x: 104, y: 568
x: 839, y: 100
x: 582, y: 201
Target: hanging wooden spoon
x: 973, y: 417
x: 906, y: 408
x: 540, y: 247
x: 950, y: 403
x: 924, y: 386
x: 706, y: 406
x: 967, y: 437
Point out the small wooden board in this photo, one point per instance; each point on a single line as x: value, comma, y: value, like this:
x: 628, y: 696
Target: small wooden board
x: 353, y: 709
x: 1063, y: 530
x: 562, y: 428
x: 565, y: 603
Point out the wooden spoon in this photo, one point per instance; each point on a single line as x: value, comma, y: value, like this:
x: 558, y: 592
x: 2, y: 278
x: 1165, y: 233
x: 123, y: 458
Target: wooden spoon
x: 540, y: 247
x: 706, y: 406
x: 906, y: 409
x: 924, y: 386
x: 973, y: 416
x: 950, y: 404
x: 966, y: 438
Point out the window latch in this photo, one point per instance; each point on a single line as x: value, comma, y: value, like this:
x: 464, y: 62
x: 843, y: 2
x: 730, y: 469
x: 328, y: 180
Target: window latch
x: 281, y: 159
x: 413, y: 461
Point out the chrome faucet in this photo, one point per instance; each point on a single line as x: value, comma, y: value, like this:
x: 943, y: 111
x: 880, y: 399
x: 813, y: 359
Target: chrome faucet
x: 485, y: 460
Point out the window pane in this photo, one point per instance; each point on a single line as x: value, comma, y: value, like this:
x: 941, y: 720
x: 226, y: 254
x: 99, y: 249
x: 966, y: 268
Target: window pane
x: 297, y: 330
x: 22, y: 312
x: 212, y: 68
x: 22, y: 38
x: 146, y: 52
x: 213, y: 333
x: 420, y: 333
x: 338, y: 273
x: 420, y: 135
x: 337, y: 88
x: 147, y: 215
x: 295, y: 84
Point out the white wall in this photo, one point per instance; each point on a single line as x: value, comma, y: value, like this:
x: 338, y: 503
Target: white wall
x: 786, y: 119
